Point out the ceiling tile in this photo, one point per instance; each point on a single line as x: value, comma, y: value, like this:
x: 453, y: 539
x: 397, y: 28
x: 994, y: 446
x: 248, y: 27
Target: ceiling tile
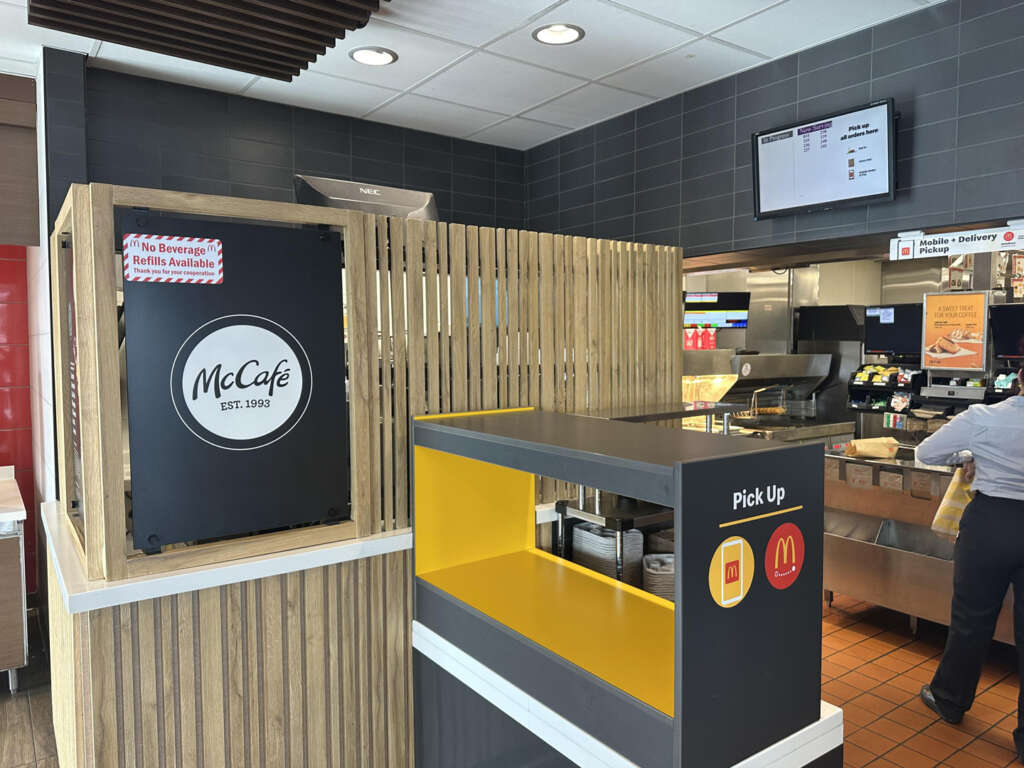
x: 467, y: 21
x: 685, y: 68
x: 442, y: 117
x: 314, y: 90
x: 22, y: 42
x: 614, y: 39
x: 702, y: 15
x: 587, y: 105
x: 498, y: 84
x: 135, y: 61
x: 418, y: 56
x: 799, y: 24
x: 519, y: 133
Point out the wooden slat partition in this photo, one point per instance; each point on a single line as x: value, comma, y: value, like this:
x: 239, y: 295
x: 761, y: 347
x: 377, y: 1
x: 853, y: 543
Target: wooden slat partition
x: 479, y: 318
x: 307, y: 668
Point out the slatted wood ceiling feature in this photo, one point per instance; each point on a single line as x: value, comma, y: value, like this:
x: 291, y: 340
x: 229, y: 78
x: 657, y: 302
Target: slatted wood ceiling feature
x: 474, y: 317
x: 310, y: 665
x: 272, y: 38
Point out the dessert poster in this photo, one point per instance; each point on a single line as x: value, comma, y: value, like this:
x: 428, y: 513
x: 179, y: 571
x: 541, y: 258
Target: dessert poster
x: 955, y: 330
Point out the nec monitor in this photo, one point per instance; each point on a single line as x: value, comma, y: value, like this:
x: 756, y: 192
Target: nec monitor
x: 840, y: 159
x: 893, y: 329
x: 1007, y: 321
x: 711, y: 309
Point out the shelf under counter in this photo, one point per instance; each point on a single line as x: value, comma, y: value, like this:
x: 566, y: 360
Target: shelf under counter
x: 577, y: 614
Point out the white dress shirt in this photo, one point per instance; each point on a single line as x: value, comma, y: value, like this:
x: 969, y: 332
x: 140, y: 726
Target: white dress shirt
x: 994, y: 435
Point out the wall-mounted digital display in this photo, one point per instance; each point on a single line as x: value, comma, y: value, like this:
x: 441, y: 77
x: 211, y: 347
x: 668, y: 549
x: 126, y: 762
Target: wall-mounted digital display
x: 838, y: 159
x: 715, y: 309
x: 893, y: 330
x: 1007, y: 321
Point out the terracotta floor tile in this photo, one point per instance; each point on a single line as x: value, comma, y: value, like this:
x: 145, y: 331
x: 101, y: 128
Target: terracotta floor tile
x: 908, y: 758
x: 873, y: 742
x: 839, y: 689
x: 846, y: 660
x: 908, y: 684
x: 865, y: 654
x: 1007, y: 691
x: 831, y: 669
x: 855, y: 757
x: 875, y: 704
x: 896, y: 665
x: 893, y: 693
x: 949, y: 734
x: 973, y: 725
x: 986, y: 713
x: 891, y: 729
x: 990, y: 752
x: 1008, y: 723
x: 857, y: 715
x: 911, y: 719
x: 875, y: 670
x: 1000, y: 739
x: 994, y: 701
x: 859, y: 680
x: 933, y: 748
x: 965, y: 760
x: 882, y: 763
x: 920, y: 674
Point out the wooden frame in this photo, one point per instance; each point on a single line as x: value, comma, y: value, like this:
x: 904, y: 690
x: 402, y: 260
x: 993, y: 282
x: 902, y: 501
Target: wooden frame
x: 573, y: 324
x: 83, y: 227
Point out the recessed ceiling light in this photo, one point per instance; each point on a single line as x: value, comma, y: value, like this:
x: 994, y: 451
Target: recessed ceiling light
x: 558, y: 34
x: 373, y: 56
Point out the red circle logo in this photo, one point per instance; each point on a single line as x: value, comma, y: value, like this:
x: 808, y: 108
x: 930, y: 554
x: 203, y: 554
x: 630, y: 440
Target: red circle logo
x: 1008, y: 236
x: 784, y: 558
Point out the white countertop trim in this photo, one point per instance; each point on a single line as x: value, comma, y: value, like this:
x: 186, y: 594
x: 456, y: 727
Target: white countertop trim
x: 81, y: 595
x: 795, y: 751
x: 12, y: 508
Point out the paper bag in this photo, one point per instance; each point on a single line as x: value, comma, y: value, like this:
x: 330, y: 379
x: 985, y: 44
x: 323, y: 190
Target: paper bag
x: 873, y: 448
x: 951, y: 508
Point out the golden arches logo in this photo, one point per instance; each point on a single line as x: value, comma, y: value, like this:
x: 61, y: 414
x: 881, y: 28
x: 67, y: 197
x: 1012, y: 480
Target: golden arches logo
x: 785, y: 550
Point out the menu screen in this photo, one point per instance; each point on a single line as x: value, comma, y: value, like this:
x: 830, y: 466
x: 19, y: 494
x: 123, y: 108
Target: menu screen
x: 819, y: 164
x: 716, y: 310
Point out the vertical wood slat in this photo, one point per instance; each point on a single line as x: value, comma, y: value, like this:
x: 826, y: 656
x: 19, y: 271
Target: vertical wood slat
x: 127, y: 686
x: 533, y: 307
x: 383, y: 290
x: 275, y: 666
x: 400, y: 424
x: 362, y: 385
x: 473, y: 315
x: 316, y: 722
x: 460, y: 367
x: 558, y: 313
x: 396, y: 619
x: 444, y: 316
x: 432, y: 328
x: 414, y: 318
x: 488, y: 321
x: 580, y: 278
x: 515, y: 348
x: 372, y: 325
x: 501, y: 266
x: 546, y: 337
x: 524, y: 319
x: 235, y: 710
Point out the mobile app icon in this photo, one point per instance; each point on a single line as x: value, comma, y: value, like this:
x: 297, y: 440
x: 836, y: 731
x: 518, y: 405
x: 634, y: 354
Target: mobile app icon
x: 731, y: 572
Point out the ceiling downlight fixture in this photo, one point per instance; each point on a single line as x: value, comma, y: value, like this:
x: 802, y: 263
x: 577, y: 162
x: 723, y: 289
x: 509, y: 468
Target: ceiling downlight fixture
x: 373, y: 56
x: 558, y: 34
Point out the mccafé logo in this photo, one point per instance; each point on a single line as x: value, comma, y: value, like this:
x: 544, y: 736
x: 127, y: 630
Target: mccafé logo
x: 241, y: 382
x: 784, y: 557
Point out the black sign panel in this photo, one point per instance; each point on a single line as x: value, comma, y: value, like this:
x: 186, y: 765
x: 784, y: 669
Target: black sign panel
x: 237, y: 404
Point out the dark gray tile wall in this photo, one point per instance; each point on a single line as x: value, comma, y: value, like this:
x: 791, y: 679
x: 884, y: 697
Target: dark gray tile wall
x: 679, y: 171
x: 152, y: 133
x: 64, y: 107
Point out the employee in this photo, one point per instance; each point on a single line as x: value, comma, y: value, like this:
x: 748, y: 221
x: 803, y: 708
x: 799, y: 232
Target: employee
x: 989, y: 553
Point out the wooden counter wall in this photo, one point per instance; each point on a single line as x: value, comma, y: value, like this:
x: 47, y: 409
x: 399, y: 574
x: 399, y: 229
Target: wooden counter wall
x: 308, y: 668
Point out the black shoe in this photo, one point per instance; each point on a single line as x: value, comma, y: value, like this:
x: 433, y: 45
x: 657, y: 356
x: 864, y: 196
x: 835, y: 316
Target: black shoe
x: 929, y: 701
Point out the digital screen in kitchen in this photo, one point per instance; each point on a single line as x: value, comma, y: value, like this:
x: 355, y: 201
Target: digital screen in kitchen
x: 893, y: 330
x: 716, y: 310
x: 834, y: 160
x: 1007, y: 322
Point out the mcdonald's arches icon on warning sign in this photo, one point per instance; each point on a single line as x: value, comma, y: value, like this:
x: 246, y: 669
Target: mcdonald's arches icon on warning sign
x: 784, y: 558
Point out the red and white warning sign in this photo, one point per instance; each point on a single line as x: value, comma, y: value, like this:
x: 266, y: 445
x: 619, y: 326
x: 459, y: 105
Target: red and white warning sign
x: 170, y: 259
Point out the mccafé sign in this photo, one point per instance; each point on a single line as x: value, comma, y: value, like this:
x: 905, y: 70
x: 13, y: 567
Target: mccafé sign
x: 784, y: 556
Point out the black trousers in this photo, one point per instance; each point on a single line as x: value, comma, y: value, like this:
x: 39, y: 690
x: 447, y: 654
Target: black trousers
x: 989, y: 557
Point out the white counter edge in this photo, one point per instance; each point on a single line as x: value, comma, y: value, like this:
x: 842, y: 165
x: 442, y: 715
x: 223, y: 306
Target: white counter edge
x: 795, y: 751
x: 81, y: 595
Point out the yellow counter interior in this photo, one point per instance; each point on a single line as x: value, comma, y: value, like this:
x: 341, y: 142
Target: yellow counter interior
x: 474, y: 539
x: 617, y: 633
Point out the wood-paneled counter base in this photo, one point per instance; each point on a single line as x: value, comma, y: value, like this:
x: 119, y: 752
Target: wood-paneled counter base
x: 256, y: 662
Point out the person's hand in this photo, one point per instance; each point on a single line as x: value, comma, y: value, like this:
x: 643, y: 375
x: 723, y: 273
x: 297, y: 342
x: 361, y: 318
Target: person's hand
x: 969, y: 468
